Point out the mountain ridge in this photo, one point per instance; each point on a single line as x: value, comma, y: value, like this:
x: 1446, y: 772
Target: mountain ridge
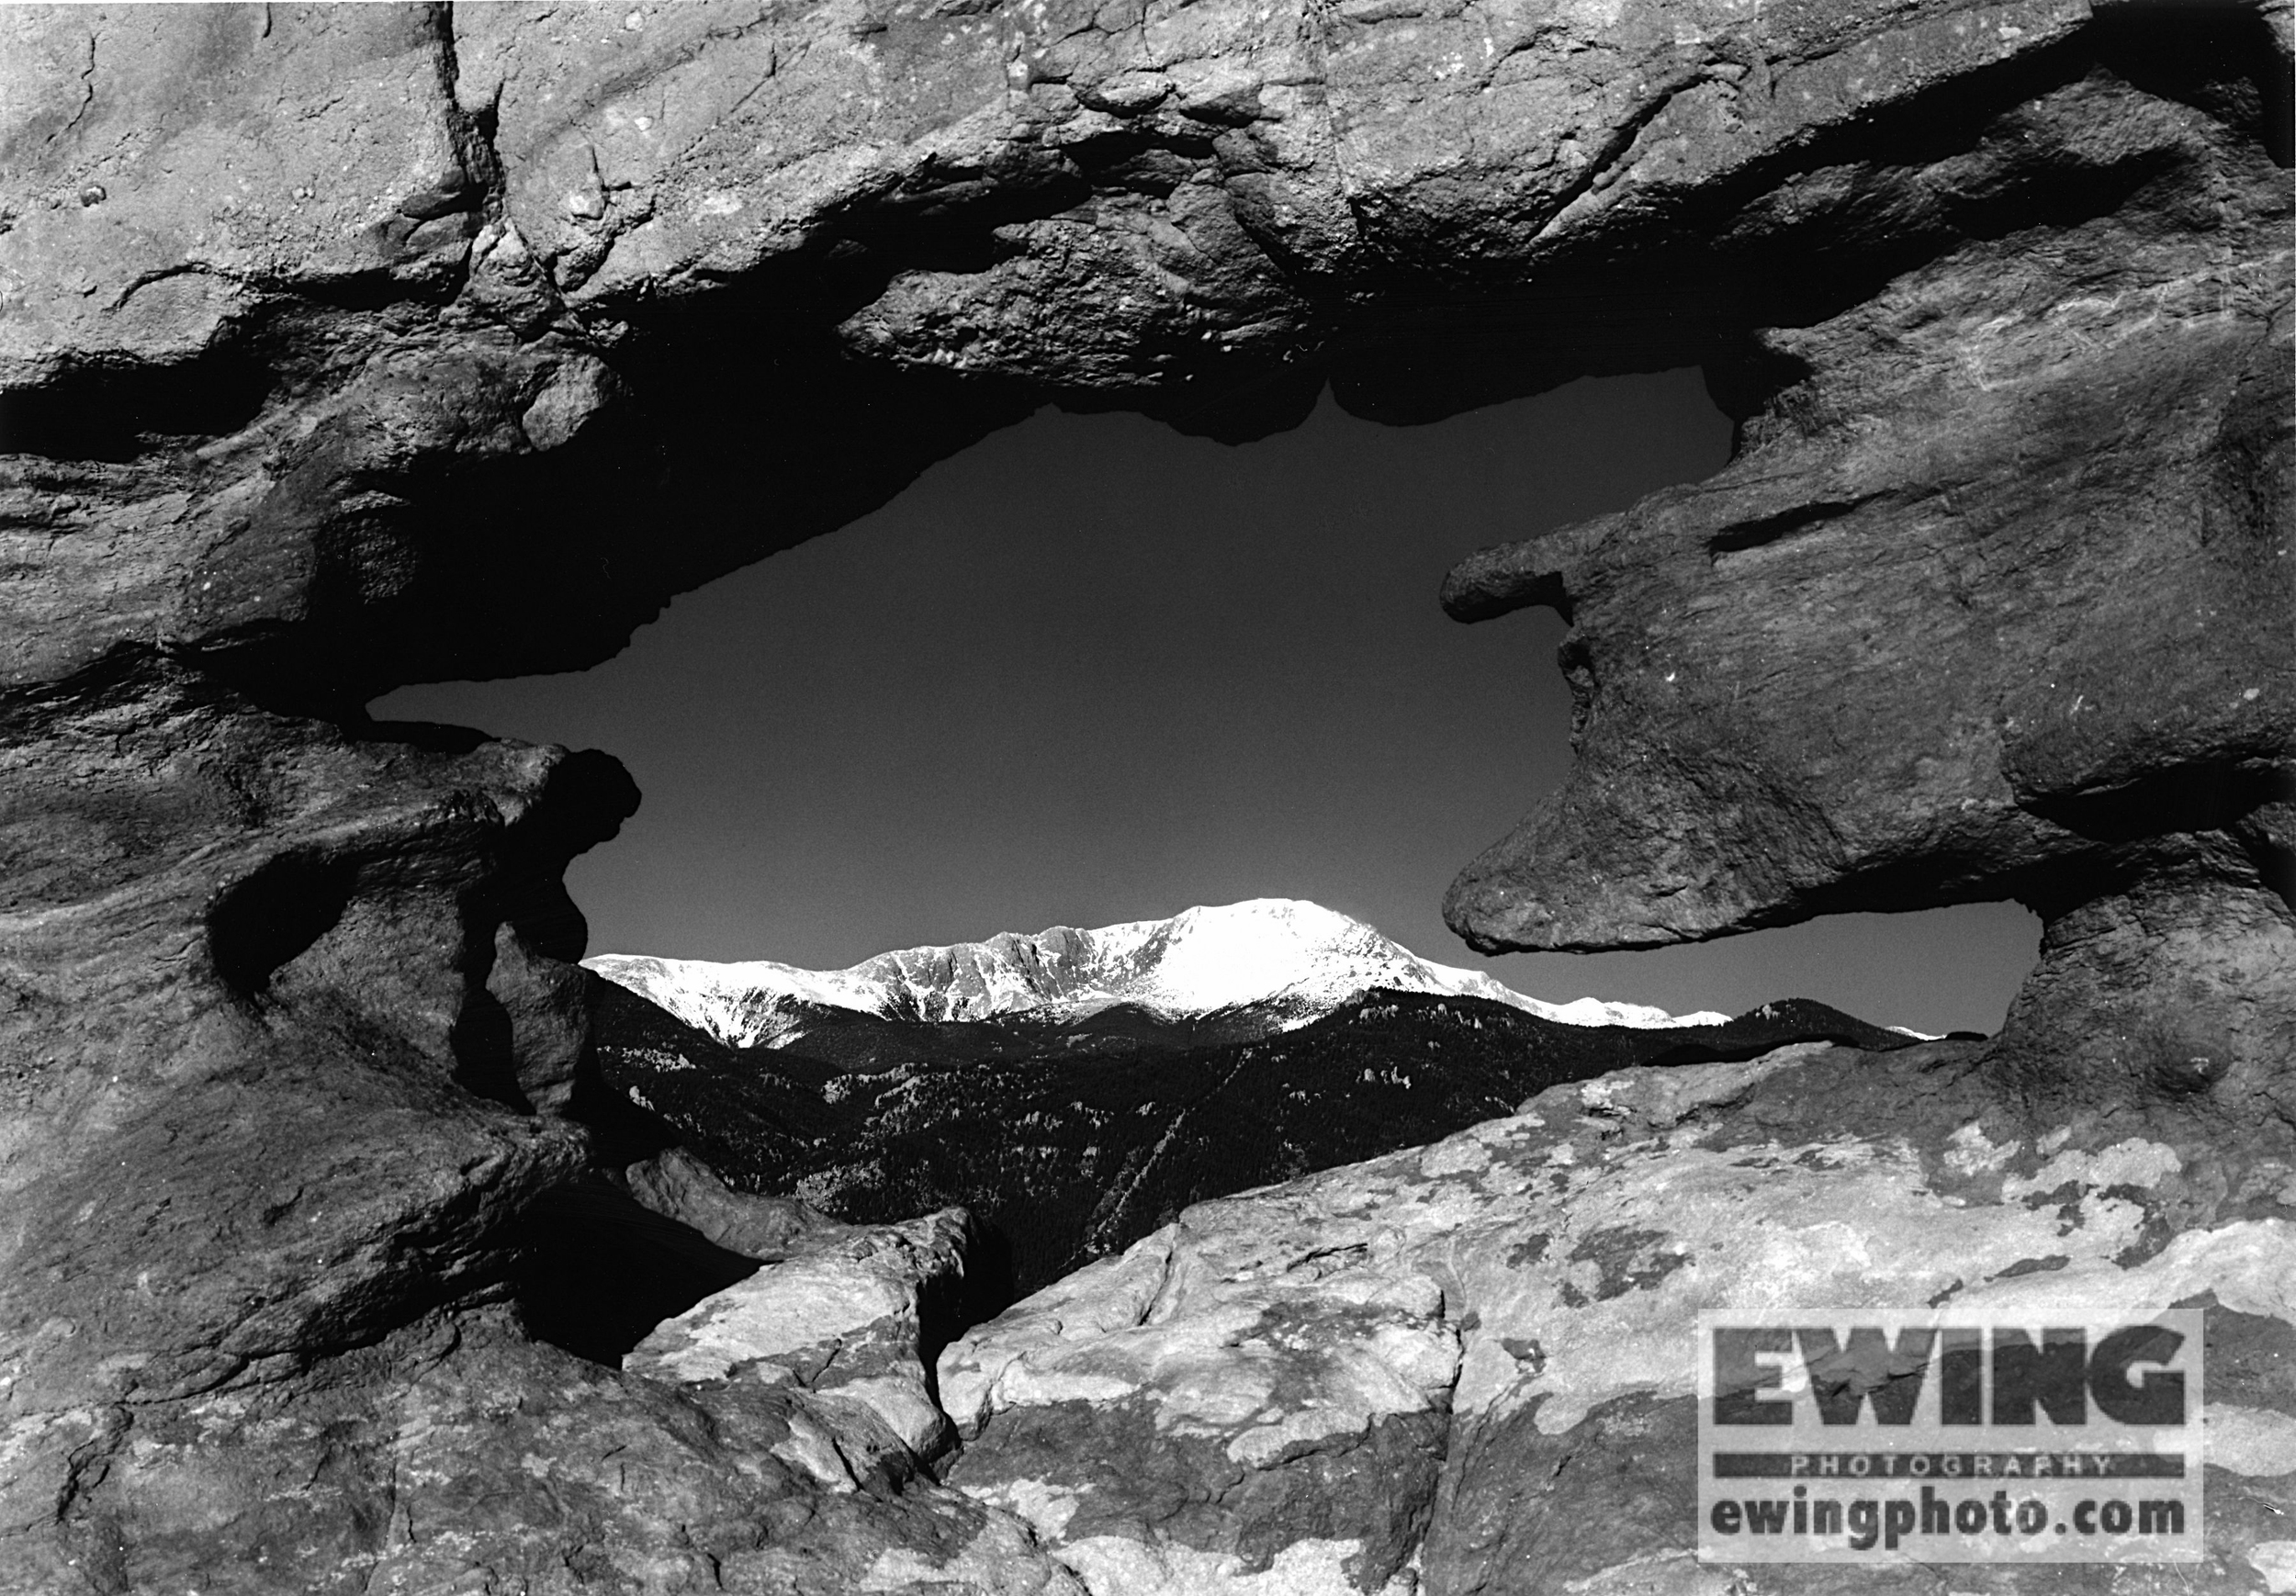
x: 1283, y: 962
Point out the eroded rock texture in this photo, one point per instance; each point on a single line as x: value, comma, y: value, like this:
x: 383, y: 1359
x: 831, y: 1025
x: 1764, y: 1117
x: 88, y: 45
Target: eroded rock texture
x: 350, y: 346
x: 1996, y: 599
x: 1470, y: 1367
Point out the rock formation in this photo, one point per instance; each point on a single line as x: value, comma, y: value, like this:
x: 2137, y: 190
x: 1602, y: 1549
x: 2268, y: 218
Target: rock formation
x: 349, y: 347
x: 1470, y: 1366
x: 1996, y: 598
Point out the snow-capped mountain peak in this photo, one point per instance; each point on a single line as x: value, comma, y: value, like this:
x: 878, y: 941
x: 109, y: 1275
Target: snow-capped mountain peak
x: 1295, y: 960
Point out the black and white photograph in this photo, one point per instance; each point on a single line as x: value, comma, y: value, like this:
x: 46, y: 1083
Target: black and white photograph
x: 1148, y: 798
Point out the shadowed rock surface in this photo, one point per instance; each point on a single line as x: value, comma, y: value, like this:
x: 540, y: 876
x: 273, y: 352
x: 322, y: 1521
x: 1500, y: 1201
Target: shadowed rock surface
x: 345, y: 347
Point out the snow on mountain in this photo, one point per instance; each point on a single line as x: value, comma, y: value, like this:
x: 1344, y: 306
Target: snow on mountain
x: 1295, y: 959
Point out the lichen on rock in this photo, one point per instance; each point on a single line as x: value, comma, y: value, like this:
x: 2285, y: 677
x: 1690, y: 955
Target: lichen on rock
x: 1570, y: 1250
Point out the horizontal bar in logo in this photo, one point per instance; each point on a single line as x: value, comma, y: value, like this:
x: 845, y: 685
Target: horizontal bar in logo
x: 1819, y: 1466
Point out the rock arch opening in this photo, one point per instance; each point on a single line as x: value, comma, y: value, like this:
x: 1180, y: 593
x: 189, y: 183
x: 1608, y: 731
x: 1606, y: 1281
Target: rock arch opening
x: 1090, y: 669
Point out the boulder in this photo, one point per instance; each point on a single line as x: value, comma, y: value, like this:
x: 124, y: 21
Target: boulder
x: 843, y: 1316
x: 1472, y: 1366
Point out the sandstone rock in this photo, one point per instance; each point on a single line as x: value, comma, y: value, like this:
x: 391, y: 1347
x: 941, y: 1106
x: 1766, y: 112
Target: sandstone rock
x: 174, y: 167
x: 251, y: 963
x: 846, y: 1321
x: 1158, y: 1438
x: 1471, y: 1365
x: 2042, y: 545
x: 1153, y: 211
x: 265, y: 1103
x: 347, y: 347
x: 461, y: 1456
x: 772, y: 1230
x: 850, y: 1313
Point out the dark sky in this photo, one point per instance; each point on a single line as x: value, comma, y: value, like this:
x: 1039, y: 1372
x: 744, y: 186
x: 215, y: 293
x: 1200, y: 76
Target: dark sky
x: 1092, y: 670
